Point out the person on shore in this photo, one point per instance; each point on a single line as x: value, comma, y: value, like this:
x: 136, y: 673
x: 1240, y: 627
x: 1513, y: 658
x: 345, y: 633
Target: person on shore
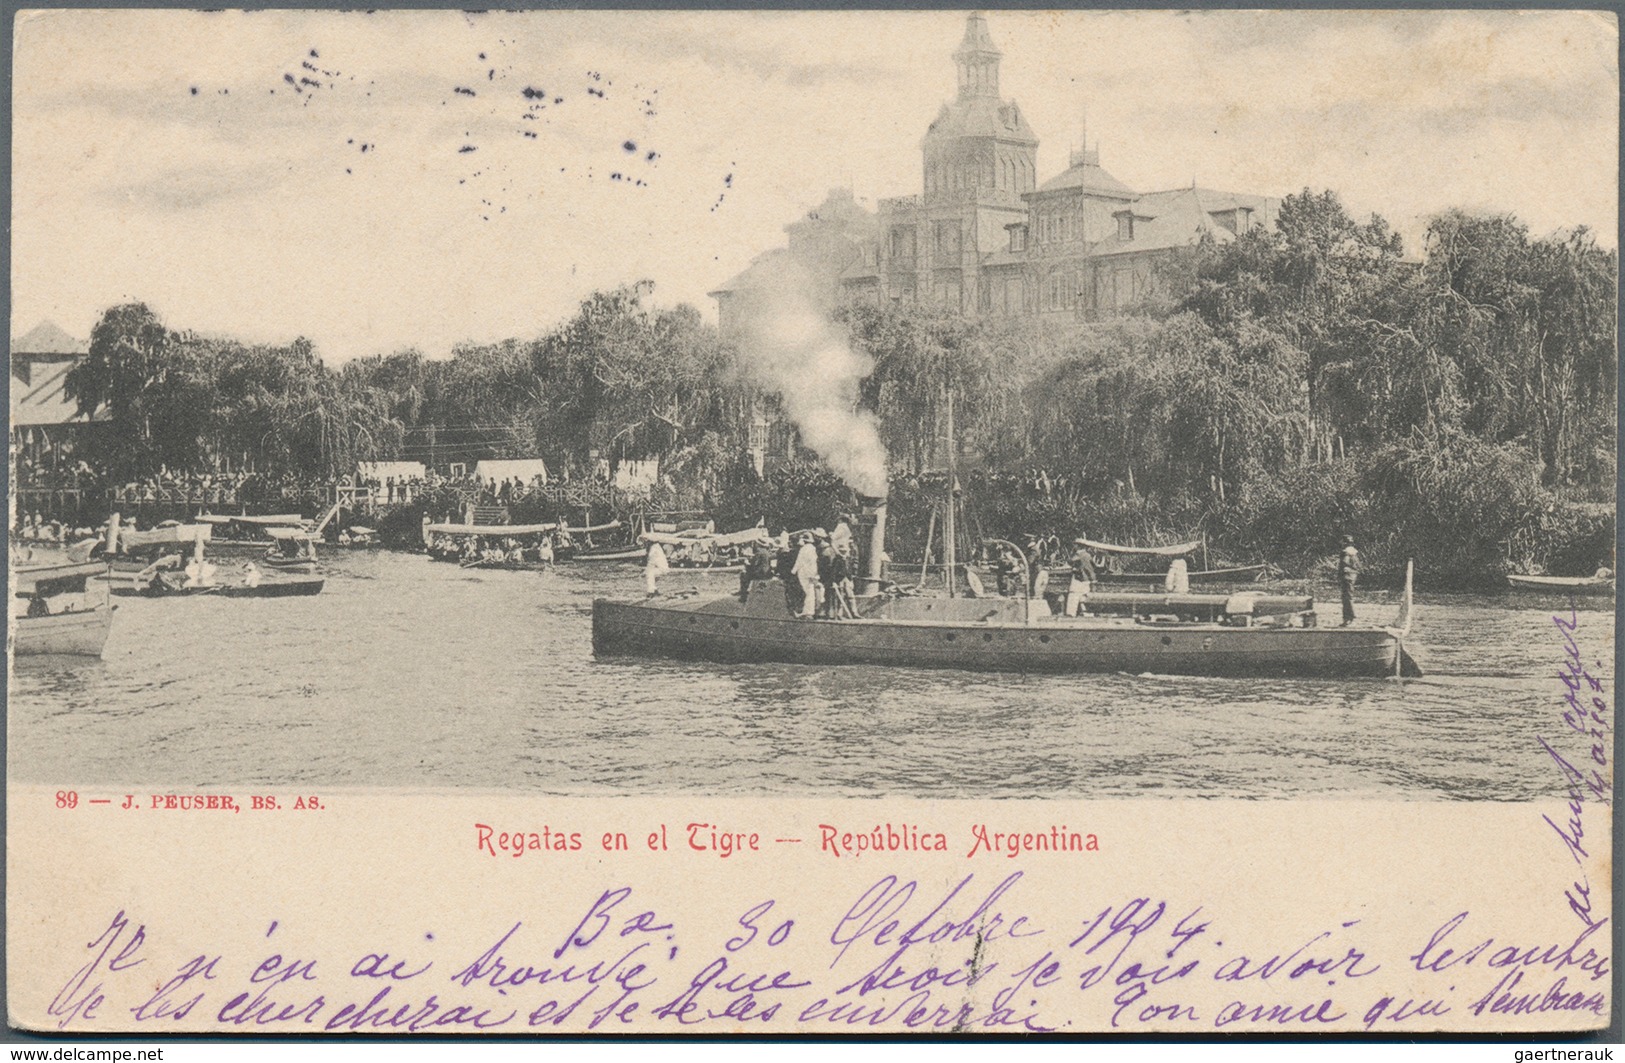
x: 805, y: 571
x: 1348, y: 571
x: 654, y: 566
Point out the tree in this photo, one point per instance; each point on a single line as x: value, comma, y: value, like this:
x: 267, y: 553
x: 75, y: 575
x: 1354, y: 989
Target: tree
x: 157, y: 392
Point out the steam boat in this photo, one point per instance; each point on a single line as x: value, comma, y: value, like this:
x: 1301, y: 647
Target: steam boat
x: 1190, y: 634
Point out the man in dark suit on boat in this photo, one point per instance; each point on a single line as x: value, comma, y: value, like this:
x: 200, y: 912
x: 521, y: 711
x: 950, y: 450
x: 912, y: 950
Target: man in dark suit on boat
x: 1348, y: 571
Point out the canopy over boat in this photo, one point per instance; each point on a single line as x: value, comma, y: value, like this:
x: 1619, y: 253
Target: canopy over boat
x: 173, y: 535
x: 46, y: 577
x: 696, y: 535
x: 589, y: 528
x: 490, y: 529
x: 1176, y: 550
x: 291, y: 533
x: 275, y: 520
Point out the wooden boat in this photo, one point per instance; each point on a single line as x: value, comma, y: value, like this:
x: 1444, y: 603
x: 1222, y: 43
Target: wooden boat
x: 250, y: 535
x: 357, y: 537
x: 54, y: 613
x: 172, y: 585
x: 292, y: 587
x: 613, y: 553
x: 446, y: 543
x: 1601, y: 585
x: 703, y: 550
x: 1237, y: 574
x: 291, y: 549
x: 997, y: 634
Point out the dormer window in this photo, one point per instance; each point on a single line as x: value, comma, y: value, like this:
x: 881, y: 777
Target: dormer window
x: 1018, y: 237
x: 1125, y: 225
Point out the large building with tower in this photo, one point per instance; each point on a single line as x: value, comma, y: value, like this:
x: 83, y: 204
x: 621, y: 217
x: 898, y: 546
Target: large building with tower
x: 984, y: 235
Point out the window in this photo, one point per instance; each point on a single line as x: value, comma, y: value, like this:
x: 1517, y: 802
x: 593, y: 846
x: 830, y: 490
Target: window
x: 902, y: 242
x: 1125, y: 226
x: 947, y: 241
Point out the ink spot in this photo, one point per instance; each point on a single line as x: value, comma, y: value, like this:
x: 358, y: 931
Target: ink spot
x: 652, y: 156
x: 194, y: 90
x: 465, y: 92
x: 313, y: 54
x: 533, y: 94
x: 482, y: 55
x: 466, y: 148
x: 628, y: 146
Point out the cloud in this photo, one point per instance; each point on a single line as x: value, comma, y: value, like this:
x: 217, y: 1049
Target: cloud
x: 194, y: 187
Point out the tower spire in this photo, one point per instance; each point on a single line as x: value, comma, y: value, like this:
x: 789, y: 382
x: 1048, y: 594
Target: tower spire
x: 977, y: 59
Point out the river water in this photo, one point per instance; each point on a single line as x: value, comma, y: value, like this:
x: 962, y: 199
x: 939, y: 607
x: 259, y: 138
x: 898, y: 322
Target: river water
x: 403, y: 673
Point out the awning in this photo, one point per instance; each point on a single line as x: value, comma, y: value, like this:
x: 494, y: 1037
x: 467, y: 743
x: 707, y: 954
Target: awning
x: 290, y: 533
x: 490, y: 529
x: 170, y: 536
x: 280, y: 520
x: 1177, y: 550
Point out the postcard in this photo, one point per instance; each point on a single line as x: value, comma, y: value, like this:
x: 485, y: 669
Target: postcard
x: 722, y: 523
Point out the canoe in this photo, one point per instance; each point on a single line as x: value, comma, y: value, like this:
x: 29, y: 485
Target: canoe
x: 633, y: 554
x: 1563, y: 584
x: 291, y: 587
x: 288, y: 587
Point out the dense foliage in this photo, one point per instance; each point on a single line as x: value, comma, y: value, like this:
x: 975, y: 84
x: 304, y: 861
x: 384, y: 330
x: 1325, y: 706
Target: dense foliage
x: 1278, y: 390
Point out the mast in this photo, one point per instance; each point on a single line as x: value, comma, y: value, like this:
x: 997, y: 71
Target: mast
x: 949, y: 540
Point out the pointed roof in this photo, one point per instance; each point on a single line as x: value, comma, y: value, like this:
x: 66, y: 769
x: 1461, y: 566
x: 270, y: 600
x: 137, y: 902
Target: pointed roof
x: 981, y: 116
x: 1167, y: 220
x: 1092, y: 179
x: 978, y: 41
x: 47, y: 338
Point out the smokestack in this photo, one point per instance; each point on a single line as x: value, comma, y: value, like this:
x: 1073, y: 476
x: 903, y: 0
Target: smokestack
x: 874, y: 510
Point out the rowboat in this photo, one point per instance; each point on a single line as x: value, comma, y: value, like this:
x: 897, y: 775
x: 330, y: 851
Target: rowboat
x: 704, y: 550
x: 451, y: 543
x: 291, y: 550
x: 54, y: 612
x: 1588, y: 585
x: 170, y: 585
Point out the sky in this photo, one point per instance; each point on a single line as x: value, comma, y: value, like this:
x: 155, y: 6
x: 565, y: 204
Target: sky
x: 384, y: 181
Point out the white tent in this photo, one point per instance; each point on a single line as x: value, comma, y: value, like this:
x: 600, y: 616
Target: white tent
x: 525, y: 469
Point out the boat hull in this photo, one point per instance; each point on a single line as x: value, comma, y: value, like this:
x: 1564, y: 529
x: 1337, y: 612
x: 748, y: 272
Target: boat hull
x: 1057, y: 645
x: 274, y: 588
x: 77, y: 634
x: 1586, y: 585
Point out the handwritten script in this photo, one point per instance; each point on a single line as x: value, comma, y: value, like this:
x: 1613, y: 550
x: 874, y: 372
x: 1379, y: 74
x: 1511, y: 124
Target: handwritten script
x: 1585, y: 713
x: 902, y: 955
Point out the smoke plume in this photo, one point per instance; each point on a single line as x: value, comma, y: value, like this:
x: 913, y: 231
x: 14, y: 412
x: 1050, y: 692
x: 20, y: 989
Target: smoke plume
x: 789, y: 345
